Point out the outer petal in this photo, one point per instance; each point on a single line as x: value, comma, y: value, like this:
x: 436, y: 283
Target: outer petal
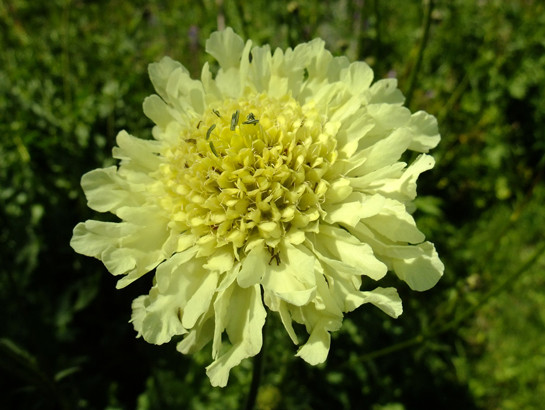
x: 199, y: 336
x: 426, y: 133
x: 247, y: 317
x: 353, y: 130
x: 259, y: 72
x: 386, y: 299
x: 318, y: 324
x: 385, y: 91
x: 316, y: 349
x: 403, y: 188
x: 394, y: 222
x: 372, y: 182
x: 131, y: 248
x: 355, y: 207
x: 418, y: 265
x: 184, y: 93
x: 358, y: 76
x: 423, y: 269
x: 136, y: 155
x: 160, y: 73
x: 282, y: 307
x: 293, y: 280
x: 158, y: 111
x: 107, y: 192
x: 181, y: 295
x: 157, y: 321
x: 342, y: 246
x: 139, y: 312
x: 254, y: 266
x: 226, y: 47
x: 199, y: 301
x: 384, y: 152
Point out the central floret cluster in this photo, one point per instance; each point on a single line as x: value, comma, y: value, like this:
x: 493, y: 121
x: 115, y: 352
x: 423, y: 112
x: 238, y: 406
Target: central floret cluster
x: 250, y: 167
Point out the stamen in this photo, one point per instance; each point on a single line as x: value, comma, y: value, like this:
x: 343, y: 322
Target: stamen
x: 234, y: 120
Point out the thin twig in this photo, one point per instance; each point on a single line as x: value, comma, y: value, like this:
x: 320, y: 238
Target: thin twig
x: 420, y: 55
x: 454, y: 323
x: 256, y: 375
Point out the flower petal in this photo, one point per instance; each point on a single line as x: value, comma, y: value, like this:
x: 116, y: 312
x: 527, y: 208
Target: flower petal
x: 316, y: 349
x: 394, y: 222
x: 122, y: 247
x: 137, y: 155
x: 425, y: 130
x: 358, y: 77
x: 403, y: 188
x: 254, y: 266
x: 354, y: 207
x: 106, y: 191
x: 418, y: 265
x: 158, y: 111
x: 226, y: 47
x: 160, y: 74
x: 384, y: 152
x: 244, y: 331
x: 423, y: 269
x: 386, y: 299
x: 338, y: 244
x: 385, y: 91
x: 199, y: 302
x: 293, y: 279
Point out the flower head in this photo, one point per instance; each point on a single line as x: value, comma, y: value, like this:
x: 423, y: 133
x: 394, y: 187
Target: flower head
x: 278, y: 183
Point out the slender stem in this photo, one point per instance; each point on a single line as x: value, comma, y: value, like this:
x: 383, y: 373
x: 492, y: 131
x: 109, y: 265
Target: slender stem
x: 454, y: 98
x: 221, y: 15
x: 494, y: 291
x: 355, y: 43
x: 465, y: 314
x: 256, y: 375
x: 378, y: 25
x: 420, y: 55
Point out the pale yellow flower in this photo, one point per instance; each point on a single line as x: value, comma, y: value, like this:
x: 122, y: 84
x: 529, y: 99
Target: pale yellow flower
x: 278, y: 183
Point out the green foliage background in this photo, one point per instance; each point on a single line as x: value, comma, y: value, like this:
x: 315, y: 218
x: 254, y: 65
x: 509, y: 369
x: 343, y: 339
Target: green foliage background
x: 73, y: 73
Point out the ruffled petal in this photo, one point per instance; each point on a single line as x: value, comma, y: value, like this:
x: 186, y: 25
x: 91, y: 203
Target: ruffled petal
x: 395, y: 223
x: 226, y: 47
x: 385, y: 92
x: 354, y: 207
x: 316, y: 349
x: 421, y: 269
x: 293, y: 278
x: 254, y: 267
x: 425, y: 130
x: 107, y: 192
x: 418, y: 265
x: 358, y: 77
x: 386, y: 299
x: 130, y: 248
x: 160, y: 73
x: 403, y: 188
x: 339, y: 245
x: 244, y: 331
x: 182, y: 295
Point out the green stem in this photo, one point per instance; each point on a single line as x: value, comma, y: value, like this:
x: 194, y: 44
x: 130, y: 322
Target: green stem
x: 256, y: 375
x: 464, y: 316
x: 378, y: 25
x: 420, y: 56
x: 454, y: 98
